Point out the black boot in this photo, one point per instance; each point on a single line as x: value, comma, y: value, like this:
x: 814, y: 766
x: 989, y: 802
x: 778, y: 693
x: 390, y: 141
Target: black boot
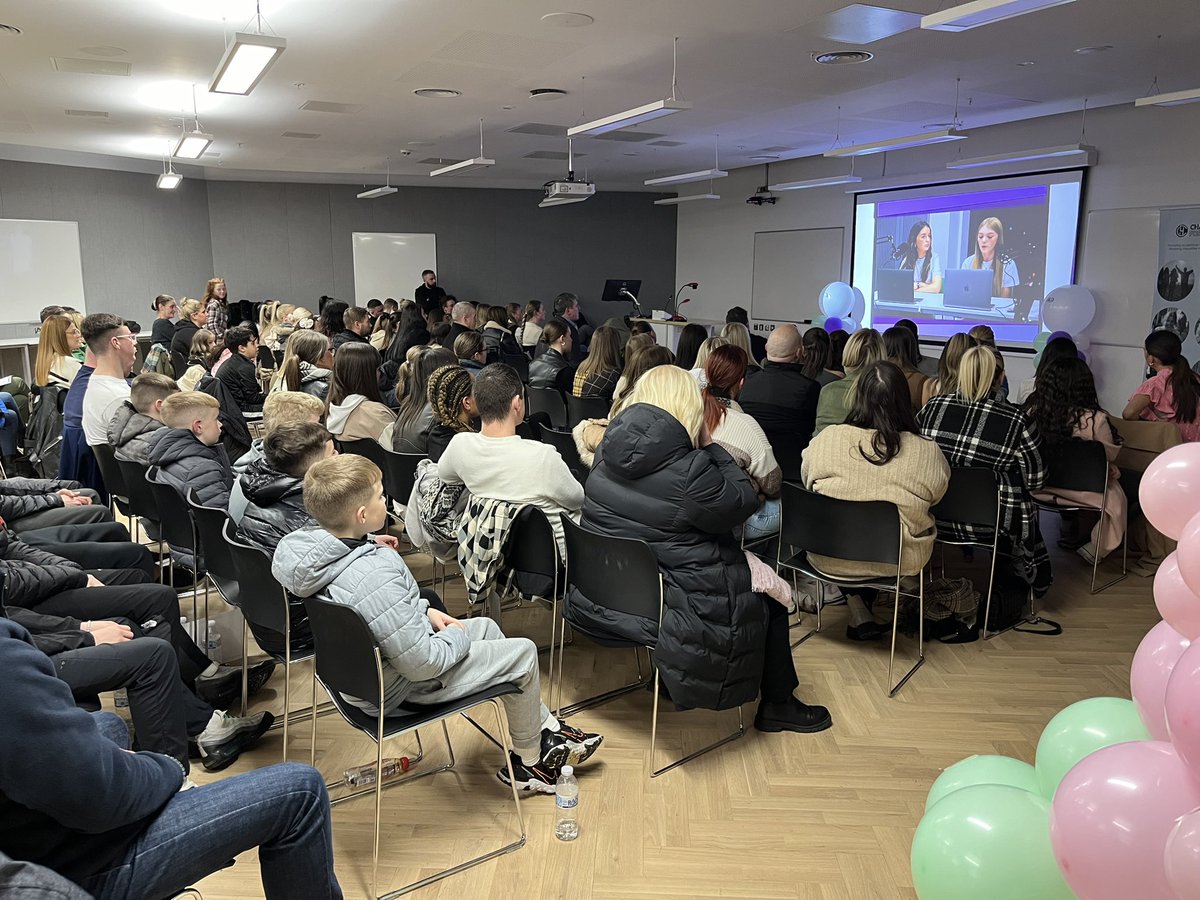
x: 793, y: 715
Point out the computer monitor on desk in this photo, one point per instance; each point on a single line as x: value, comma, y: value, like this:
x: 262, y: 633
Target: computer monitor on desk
x: 614, y: 288
x: 894, y: 286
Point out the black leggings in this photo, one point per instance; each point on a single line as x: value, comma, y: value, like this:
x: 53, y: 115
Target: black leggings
x: 779, y: 669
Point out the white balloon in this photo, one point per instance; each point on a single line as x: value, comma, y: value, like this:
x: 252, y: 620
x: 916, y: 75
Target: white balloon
x: 1069, y: 308
x: 837, y: 298
x: 859, y: 308
x: 1082, y: 342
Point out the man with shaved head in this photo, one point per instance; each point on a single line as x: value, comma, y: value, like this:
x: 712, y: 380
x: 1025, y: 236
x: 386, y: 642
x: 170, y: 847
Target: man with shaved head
x: 783, y: 400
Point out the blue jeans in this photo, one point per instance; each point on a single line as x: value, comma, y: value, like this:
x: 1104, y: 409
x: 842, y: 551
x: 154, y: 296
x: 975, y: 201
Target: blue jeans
x: 764, y: 522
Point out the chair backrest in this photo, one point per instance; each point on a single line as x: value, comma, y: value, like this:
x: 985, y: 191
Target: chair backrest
x: 114, y: 479
x: 580, y: 408
x: 137, y: 490
x: 530, y: 546
x: 1076, y: 465
x: 971, y: 497
x: 549, y: 401
x: 263, y: 599
x: 620, y: 574
x: 210, y: 529
x: 177, y: 530
x: 346, y: 661
x: 399, y: 473
x: 564, y: 443
x: 859, y: 530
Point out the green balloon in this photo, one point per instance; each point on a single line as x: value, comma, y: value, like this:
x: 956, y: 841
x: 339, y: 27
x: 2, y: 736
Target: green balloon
x: 983, y: 770
x: 987, y: 842
x: 1039, y: 343
x: 1080, y: 729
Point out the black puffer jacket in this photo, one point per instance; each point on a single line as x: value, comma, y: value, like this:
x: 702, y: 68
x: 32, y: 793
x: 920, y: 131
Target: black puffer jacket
x: 274, y: 506
x: 130, y: 433
x: 181, y: 343
x: 186, y: 463
x: 649, y: 483
x: 20, y: 497
x: 31, y: 575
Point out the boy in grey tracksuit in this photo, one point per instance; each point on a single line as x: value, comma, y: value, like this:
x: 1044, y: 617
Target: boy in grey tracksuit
x: 429, y: 656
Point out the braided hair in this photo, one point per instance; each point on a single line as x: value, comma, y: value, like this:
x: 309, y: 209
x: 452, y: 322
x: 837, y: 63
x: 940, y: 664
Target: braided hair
x: 449, y: 386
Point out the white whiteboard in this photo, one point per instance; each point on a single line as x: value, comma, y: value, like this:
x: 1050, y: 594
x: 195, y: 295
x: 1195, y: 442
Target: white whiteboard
x: 790, y: 268
x: 390, y: 265
x: 40, y: 266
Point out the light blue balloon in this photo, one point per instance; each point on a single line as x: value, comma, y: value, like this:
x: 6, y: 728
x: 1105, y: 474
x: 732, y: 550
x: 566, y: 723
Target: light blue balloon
x: 837, y: 299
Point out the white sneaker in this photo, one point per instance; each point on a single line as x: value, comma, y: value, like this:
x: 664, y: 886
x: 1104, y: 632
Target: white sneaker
x: 187, y: 785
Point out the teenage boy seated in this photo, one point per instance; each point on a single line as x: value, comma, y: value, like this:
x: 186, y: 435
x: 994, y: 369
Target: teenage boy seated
x: 75, y: 800
x: 29, y: 503
x: 239, y: 373
x: 136, y: 420
x: 188, y: 451
x: 280, y: 408
x: 429, y: 657
x: 498, y: 464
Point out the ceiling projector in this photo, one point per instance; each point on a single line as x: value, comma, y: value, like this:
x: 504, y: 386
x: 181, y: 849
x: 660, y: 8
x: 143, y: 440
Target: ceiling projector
x: 762, y: 196
x: 569, y: 191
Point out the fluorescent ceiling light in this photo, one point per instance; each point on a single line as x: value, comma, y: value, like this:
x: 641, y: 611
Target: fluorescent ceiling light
x: 814, y: 182
x: 1067, y: 150
x: 168, y: 181
x: 913, y: 140
x: 1176, y: 98
x: 377, y: 192
x: 687, y: 177
x: 192, y: 144
x: 983, y: 12
x: 467, y: 165
x: 245, y: 62
x: 674, y: 201
x: 562, y: 201
x: 630, y: 117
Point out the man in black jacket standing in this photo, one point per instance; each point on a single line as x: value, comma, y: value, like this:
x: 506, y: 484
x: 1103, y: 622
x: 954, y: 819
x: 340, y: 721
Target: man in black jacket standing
x: 783, y: 400
x: 429, y: 293
x: 238, y: 372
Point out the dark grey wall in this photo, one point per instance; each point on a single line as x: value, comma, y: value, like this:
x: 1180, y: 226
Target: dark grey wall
x: 293, y: 241
x: 135, y: 240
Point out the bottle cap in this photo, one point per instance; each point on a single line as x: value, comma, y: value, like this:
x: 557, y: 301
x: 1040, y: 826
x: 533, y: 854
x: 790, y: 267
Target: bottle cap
x: 567, y: 770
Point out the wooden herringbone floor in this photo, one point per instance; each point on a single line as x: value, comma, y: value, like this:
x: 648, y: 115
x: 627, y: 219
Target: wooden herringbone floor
x: 827, y: 816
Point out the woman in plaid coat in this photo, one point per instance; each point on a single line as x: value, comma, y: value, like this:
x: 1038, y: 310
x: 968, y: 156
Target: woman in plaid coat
x: 977, y: 431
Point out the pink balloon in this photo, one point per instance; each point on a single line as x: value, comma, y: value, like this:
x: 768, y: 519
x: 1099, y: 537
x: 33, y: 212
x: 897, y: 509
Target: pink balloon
x: 1182, y: 857
x: 1111, y: 817
x: 1156, y: 656
x: 1170, y: 489
x: 1177, y: 603
x: 1182, y: 704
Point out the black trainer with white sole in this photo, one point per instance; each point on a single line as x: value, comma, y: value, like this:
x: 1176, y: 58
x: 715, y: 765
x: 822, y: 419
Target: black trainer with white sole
x: 582, y: 744
x: 535, y: 779
x: 224, y: 688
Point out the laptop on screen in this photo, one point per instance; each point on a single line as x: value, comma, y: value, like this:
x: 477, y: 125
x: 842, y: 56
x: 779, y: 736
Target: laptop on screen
x: 968, y: 288
x: 894, y: 286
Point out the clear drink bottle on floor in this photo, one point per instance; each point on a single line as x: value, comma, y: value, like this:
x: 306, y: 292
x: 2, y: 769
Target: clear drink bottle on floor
x: 566, y: 798
x: 362, y: 775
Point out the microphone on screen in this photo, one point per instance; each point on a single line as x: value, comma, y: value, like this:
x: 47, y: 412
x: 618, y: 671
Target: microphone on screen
x: 900, y: 251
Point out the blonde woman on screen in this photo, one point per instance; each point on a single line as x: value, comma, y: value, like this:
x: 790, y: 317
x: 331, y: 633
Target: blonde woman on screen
x: 989, y: 246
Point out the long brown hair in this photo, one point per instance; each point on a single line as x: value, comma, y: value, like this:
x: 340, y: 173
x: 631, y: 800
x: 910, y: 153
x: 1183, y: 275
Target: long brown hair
x: 639, y: 365
x: 604, y: 353
x: 882, y: 406
x: 724, y: 369
x: 210, y: 287
x: 355, y: 371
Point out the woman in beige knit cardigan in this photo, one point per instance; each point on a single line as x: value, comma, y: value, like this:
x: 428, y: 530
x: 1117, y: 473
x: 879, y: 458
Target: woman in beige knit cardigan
x: 879, y: 454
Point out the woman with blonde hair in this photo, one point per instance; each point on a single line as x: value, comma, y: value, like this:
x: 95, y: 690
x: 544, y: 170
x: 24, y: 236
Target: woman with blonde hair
x: 707, y: 346
x: 660, y: 478
x: 597, y: 375
x: 57, y: 341
x: 947, y: 376
x: 193, y: 315
x: 216, y: 305
x: 297, y: 318
x: 739, y: 335
x: 203, y: 354
x: 989, y: 247
x: 307, y: 365
x: 863, y: 347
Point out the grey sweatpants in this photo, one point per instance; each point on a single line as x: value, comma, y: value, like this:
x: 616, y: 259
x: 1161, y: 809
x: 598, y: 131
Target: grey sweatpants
x: 493, y: 659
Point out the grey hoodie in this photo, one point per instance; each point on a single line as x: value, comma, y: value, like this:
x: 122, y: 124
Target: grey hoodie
x: 131, y: 434
x: 373, y: 580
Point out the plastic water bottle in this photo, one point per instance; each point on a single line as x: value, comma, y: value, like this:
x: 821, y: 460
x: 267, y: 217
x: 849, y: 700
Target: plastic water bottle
x: 213, y: 644
x: 364, y: 775
x: 566, y: 798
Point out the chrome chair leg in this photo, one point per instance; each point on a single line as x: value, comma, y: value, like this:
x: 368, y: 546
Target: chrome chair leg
x: 892, y: 691
x: 654, y: 773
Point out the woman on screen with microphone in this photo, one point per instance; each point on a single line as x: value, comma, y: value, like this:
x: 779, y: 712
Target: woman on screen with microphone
x: 989, y: 246
x: 921, y: 258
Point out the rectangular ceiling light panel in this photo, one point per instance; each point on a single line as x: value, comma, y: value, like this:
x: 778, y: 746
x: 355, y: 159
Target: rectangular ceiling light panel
x: 675, y: 201
x: 630, y: 117
x: 245, y: 61
x: 687, y: 177
x: 983, y: 12
x: 1067, y: 151
x: 168, y: 181
x: 1175, y: 98
x: 467, y: 165
x: 913, y: 140
x: 192, y: 145
x: 814, y: 183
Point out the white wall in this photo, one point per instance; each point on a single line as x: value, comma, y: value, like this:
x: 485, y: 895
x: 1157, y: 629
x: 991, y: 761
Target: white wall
x: 1148, y: 159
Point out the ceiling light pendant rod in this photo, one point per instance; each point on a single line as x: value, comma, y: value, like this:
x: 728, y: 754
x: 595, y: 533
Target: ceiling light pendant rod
x: 957, y: 87
x: 481, y: 136
x: 674, y: 66
x: 570, y: 159
x: 1083, y: 122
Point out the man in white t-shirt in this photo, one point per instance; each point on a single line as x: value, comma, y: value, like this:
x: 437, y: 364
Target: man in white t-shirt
x: 115, y: 349
x: 500, y: 465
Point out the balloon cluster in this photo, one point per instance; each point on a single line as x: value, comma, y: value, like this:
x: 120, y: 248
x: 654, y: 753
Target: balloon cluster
x: 1066, y: 312
x: 1111, y: 808
x: 843, y: 307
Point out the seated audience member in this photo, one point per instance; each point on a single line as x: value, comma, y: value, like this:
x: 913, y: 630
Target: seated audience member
x: 463, y: 318
x: 690, y: 339
x: 163, y: 330
x: 188, y: 452
x: 200, y: 360
x: 139, y: 417
x: 374, y: 308
x: 453, y: 407
x: 927, y: 365
x: 516, y: 315
x: 783, y: 400
x: 429, y: 657
x: 498, y: 340
x: 27, y: 504
x: 758, y: 343
x: 57, y: 341
x: 985, y: 337
x: 901, y: 349
x: 636, y: 328
x: 741, y: 436
x: 818, y: 357
x: 1063, y: 406
x: 974, y: 430
x: 660, y: 478
x: 112, y: 821
x: 439, y: 335
x: 879, y: 454
x: 331, y: 316
x: 76, y: 461
x: 1056, y: 349
x: 281, y: 408
x: 496, y: 463
x: 411, y: 331
x: 837, y: 344
x: 552, y: 369
x: 193, y: 315
x: 383, y: 332
x: 414, y: 419
x: 598, y: 374
x: 709, y: 345
x: 569, y: 314
x: 114, y: 349
x: 239, y: 373
x: 1172, y: 394
x: 354, y: 407
x: 290, y: 319
x: 307, y: 364
x: 635, y: 345
x: 471, y: 352
x: 739, y: 335
x: 590, y: 432
x: 946, y: 381
x: 529, y: 332
x: 864, y: 347
x: 357, y: 325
